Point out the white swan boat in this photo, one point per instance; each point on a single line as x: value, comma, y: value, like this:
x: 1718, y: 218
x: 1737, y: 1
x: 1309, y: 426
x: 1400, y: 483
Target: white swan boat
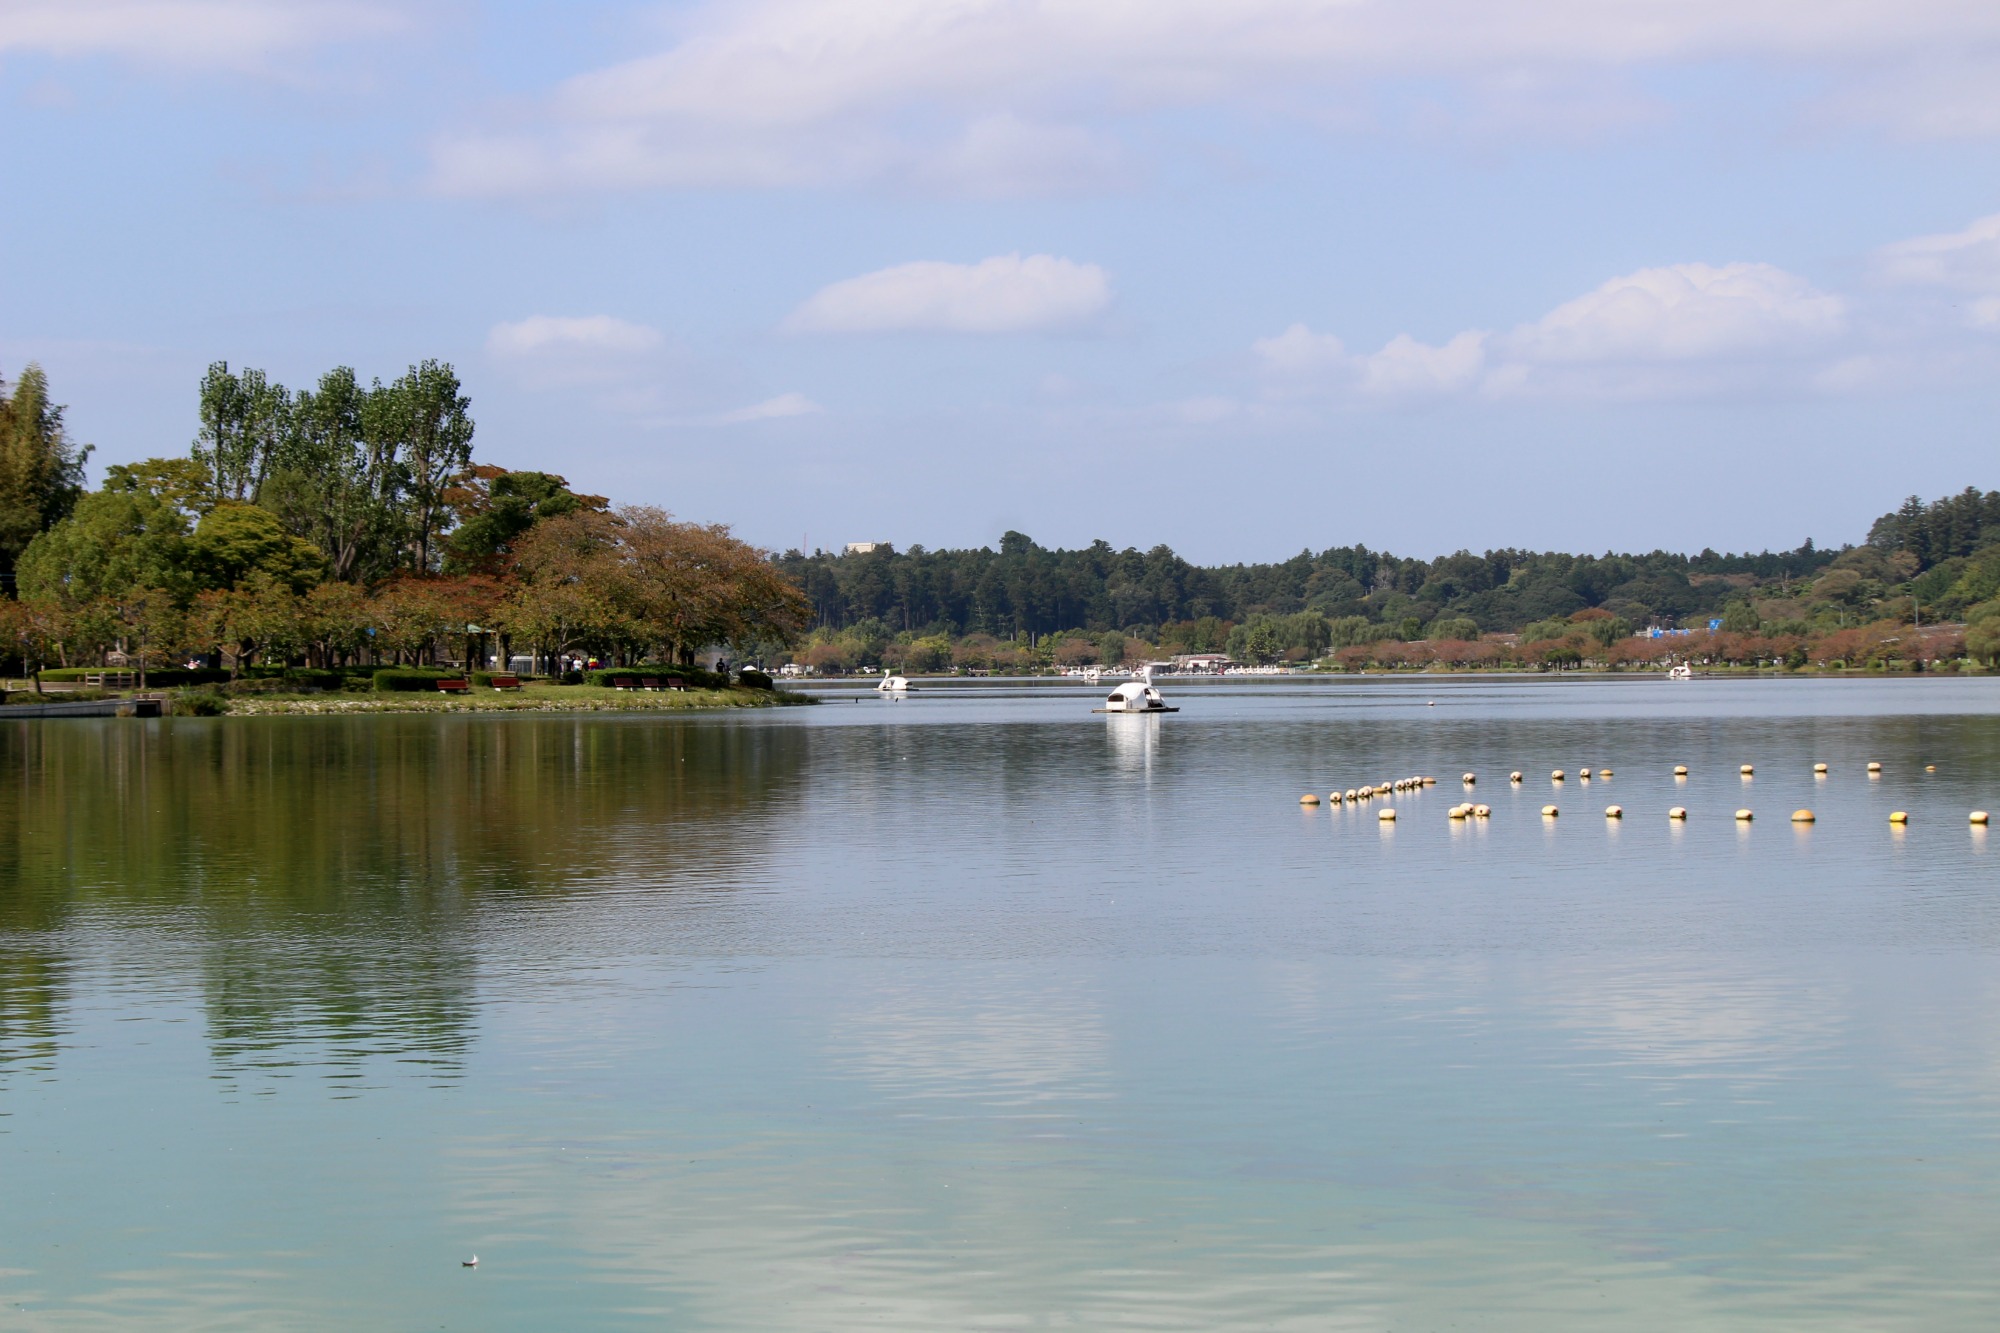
x: 894, y: 685
x: 1136, y: 696
x: 1681, y: 671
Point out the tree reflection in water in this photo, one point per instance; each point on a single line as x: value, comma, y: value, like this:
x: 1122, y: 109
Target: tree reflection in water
x: 331, y: 874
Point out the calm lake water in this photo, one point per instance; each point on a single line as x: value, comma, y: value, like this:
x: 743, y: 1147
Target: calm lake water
x: 975, y: 1010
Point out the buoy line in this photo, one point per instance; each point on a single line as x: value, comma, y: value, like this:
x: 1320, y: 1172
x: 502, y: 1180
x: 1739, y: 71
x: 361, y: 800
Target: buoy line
x: 1467, y: 810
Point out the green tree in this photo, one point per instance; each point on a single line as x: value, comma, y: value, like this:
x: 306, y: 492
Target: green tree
x: 1452, y: 627
x: 433, y: 425
x: 234, y: 541
x: 1741, y: 618
x: 1260, y: 639
x: 336, y: 486
x: 494, y: 506
x: 112, y: 542
x: 41, y: 470
x: 1982, y: 633
x: 179, y: 482
x: 244, y: 420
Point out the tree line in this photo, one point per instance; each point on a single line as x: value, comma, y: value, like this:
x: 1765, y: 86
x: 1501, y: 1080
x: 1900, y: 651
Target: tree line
x: 348, y: 525
x: 1024, y: 606
x: 1025, y: 588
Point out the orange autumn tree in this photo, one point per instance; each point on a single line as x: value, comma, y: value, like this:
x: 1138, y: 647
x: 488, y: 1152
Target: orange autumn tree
x: 638, y: 580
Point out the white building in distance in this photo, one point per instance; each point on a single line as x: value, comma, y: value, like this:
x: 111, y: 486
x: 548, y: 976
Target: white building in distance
x: 868, y: 548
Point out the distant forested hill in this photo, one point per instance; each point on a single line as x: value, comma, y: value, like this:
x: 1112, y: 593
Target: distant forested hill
x: 1023, y: 588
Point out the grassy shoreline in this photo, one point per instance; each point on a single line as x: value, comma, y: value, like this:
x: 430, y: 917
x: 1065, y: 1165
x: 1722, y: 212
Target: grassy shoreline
x: 529, y: 699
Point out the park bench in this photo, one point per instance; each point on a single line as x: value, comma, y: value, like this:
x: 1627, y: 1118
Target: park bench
x: 624, y: 682
x: 506, y: 682
x: 455, y: 686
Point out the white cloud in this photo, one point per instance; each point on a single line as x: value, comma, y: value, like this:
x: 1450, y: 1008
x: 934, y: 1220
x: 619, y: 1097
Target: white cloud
x: 1017, y: 95
x: 543, y: 334
x: 1965, y: 263
x: 1298, y: 349
x: 1408, y: 366
x: 1685, y: 328
x: 1004, y: 294
x: 1683, y: 312
x: 771, y: 409
x: 232, y: 34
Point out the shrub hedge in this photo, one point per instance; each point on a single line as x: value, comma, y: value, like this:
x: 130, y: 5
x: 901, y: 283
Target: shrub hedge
x: 693, y: 677
x: 412, y: 680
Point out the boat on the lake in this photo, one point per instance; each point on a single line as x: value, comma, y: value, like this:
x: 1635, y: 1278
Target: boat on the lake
x: 894, y: 685
x: 1137, y: 696
x: 1681, y: 671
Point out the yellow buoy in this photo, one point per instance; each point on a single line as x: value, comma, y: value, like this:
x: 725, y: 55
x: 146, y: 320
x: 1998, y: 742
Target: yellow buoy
x: 1603, y: 772
x: 1680, y: 770
x: 1430, y: 782
x: 1309, y: 799
x: 1482, y: 811
x: 1899, y: 816
x: 1386, y: 816
x: 1548, y: 812
x: 1515, y: 776
x: 1457, y: 812
x: 1744, y: 816
x: 1614, y: 812
x: 1802, y: 816
x: 1930, y: 768
x: 1556, y: 776
x: 1874, y: 767
x: 1819, y: 768
x: 1979, y: 816
x: 1746, y: 770
x: 1678, y: 812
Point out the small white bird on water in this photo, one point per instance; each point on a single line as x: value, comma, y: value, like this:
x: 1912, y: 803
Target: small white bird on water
x: 473, y: 1262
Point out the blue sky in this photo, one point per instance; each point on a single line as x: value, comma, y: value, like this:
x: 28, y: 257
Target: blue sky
x: 1243, y: 278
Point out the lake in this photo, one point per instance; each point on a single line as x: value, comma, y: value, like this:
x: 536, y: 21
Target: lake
x: 974, y: 1010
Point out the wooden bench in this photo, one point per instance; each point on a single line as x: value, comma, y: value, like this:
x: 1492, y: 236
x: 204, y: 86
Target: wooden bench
x: 505, y: 682
x: 454, y: 687
x: 624, y: 682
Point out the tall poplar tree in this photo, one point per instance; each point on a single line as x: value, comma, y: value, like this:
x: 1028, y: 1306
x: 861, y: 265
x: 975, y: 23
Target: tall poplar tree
x: 244, y: 421
x: 435, y: 423
x: 334, y: 485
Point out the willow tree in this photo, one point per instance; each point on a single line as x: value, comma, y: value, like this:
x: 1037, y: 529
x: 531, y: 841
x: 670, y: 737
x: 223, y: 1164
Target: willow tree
x: 41, y: 470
